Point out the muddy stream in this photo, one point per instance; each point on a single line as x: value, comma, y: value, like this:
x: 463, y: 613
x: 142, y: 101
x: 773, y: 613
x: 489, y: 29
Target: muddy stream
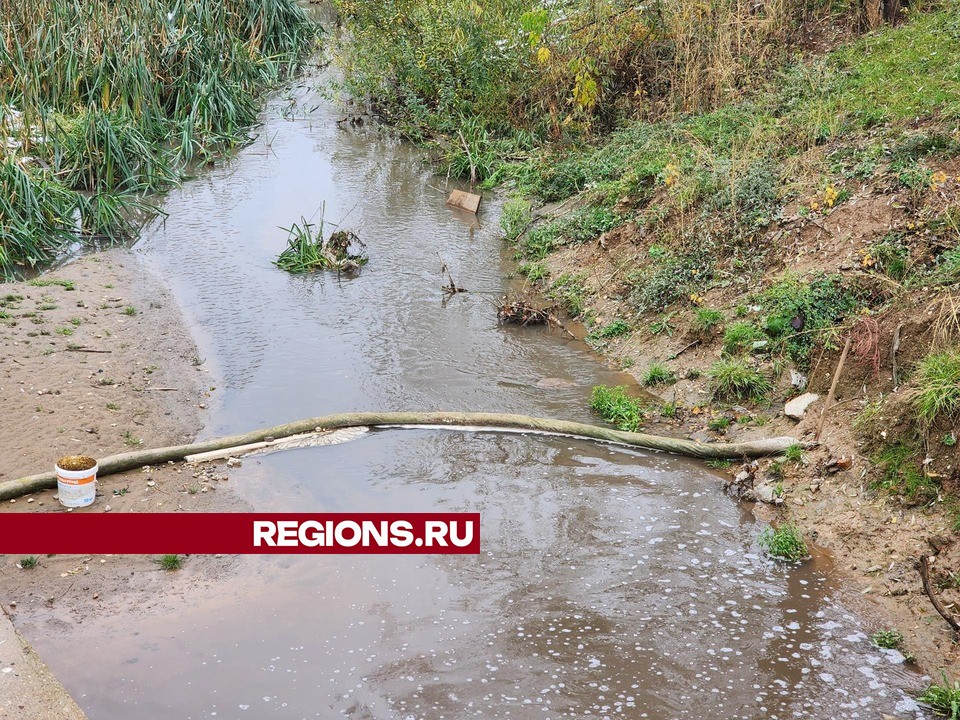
x: 611, y: 582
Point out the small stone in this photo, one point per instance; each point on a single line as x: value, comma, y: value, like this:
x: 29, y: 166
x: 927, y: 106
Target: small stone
x: 768, y: 494
x: 96, y: 596
x: 151, y: 483
x: 234, y: 462
x: 30, y: 500
x: 107, y: 508
x: 13, y: 603
x: 797, y: 407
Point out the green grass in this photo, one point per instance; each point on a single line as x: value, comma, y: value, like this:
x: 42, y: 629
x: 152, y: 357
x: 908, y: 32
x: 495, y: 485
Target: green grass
x: 615, y: 406
x: 891, y: 639
x: 706, y: 320
x: 616, y: 328
x: 307, y: 251
x: 943, y: 698
x: 534, y: 272
x: 570, y: 290
x: 740, y: 336
x: 794, y: 454
x: 784, y: 542
x: 935, y: 388
x: 719, y: 424
x: 170, y: 562
x: 658, y: 374
x: 50, y: 281
x: 28, y: 563
x: 130, y: 310
x: 734, y: 379
x: 113, y: 100
x: 901, y: 473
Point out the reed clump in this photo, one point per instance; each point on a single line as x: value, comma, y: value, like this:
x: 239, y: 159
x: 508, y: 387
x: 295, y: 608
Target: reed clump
x: 102, y: 102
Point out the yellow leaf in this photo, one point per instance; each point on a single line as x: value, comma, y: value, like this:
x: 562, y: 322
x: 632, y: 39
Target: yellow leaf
x: 543, y: 55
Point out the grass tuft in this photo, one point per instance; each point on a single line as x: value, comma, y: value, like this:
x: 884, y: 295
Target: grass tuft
x: 784, y: 542
x: 734, y: 379
x: 658, y: 374
x: 943, y: 698
x: 615, y: 406
x: 28, y: 563
x: 170, y: 562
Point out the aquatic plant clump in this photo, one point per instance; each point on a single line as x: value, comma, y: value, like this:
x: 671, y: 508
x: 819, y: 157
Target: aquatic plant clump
x: 307, y: 251
x: 101, y: 102
x: 785, y: 542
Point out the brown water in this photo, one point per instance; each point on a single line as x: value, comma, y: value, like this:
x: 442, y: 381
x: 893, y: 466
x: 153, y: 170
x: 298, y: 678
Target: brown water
x: 611, y: 582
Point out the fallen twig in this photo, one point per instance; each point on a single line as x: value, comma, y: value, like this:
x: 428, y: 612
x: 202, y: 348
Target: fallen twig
x: 928, y: 588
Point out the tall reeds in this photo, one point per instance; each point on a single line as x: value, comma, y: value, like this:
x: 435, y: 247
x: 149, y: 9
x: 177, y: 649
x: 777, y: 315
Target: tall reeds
x: 103, y: 101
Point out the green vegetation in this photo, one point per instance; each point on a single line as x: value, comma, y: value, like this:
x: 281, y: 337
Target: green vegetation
x: 784, y: 542
x: 935, y: 388
x: 658, y: 374
x: 49, y: 281
x: 943, y: 698
x: 534, y: 272
x: 719, y: 424
x: 307, y: 251
x: 901, y: 473
x: 735, y: 379
x: 706, y: 320
x: 614, y: 329
x: 102, y: 102
x: 569, y: 289
x: 794, y: 454
x: 891, y: 639
x: 739, y: 338
x: 170, y: 562
x: 615, y: 406
x: 28, y: 563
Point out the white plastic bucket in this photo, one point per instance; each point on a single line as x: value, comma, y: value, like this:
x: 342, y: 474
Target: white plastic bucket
x: 76, y: 488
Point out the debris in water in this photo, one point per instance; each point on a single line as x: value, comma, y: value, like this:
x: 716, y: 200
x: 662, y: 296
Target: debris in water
x: 306, y: 250
x: 464, y: 201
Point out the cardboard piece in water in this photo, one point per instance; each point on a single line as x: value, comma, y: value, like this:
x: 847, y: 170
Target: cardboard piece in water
x: 464, y: 201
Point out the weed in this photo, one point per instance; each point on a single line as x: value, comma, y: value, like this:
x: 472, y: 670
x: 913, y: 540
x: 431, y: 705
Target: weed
x: 740, y: 337
x: 663, y: 326
x: 170, y: 562
x: 75, y: 321
x: 611, y: 330
x: 113, y: 406
x: 515, y: 218
x: 794, y: 454
x: 719, y: 424
x: 570, y: 290
x: 65, y: 331
x: 949, y: 439
x: 901, y: 473
x: 28, y: 563
x: 888, y: 639
x: 935, y: 387
x: 130, y: 310
x: 307, y: 251
x: 784, y: 542
x: 706, y: 320
x: 944, y: 698
x: 534, y: 272
x: 735, y: 379
x: 658, y: 374
x: 807, y: 310
x: 615, y: 406
x: 49, y: 281
x: 130, y: 439
x: 669, y: 409
x: 719, y: 464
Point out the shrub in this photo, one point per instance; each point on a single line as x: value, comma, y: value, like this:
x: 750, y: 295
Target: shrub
x: 658, y: 374
x: 734, y: 379
x: 785, y: 542
x: 807, y: 310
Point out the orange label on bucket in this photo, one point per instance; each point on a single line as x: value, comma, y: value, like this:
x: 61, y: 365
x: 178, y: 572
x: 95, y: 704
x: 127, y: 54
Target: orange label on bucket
x: 81, y: 481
